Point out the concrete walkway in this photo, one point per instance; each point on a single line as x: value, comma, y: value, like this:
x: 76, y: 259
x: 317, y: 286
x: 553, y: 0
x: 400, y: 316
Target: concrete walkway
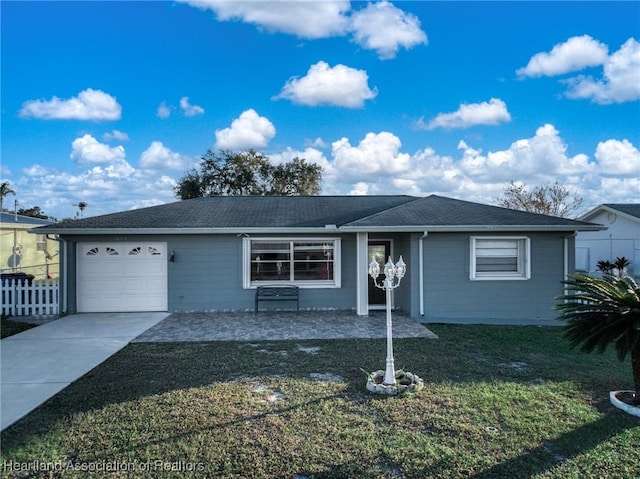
x: 38, y: 363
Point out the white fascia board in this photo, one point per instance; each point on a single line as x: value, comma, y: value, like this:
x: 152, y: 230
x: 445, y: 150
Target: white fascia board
x: 188, y: 231
x: 318, y: 230
x: 473, y: 228
x: 592, y: 212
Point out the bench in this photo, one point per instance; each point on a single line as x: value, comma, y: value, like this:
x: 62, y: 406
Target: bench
x: 277, y: 293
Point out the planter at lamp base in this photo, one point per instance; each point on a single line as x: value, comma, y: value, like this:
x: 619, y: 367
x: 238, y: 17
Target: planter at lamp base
x: 622, y: 400
x: 405, y: 382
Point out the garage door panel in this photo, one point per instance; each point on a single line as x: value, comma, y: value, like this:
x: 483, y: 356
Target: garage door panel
x: 153, y: 285
x: 107, y: 285
x: 135, y: 268
x: 129, y: 276
x: 90, y: 268
x: 155, y: 269
x: 109, y: 268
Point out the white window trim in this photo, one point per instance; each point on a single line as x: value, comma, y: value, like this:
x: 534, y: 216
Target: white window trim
x: 337, y: 263
x: 524, y: 260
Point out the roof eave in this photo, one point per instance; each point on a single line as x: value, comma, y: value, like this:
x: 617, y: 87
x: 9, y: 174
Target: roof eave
x: 474, y: 228
x: 319, y: 230
x: 185, y: 231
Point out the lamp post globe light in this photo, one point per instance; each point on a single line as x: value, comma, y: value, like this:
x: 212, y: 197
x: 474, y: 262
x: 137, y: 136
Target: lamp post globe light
x: 393, y: 276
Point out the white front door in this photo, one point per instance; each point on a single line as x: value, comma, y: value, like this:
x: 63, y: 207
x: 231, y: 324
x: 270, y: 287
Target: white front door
x: 122, y: 277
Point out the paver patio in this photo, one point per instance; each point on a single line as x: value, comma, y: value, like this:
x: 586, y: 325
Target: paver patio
x: 279, y: 325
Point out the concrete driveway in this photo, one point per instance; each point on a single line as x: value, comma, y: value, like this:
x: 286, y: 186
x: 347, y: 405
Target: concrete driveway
x: 40, y: 362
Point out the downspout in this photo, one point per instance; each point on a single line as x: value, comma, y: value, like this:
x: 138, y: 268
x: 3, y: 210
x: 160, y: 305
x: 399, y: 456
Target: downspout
x: 63, y: 271
x: 421, y: 270
x: 566, y: 253
x: 566, y: 258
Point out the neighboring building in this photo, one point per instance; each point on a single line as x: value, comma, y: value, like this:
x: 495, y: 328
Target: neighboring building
x: 466, y: 262
x: 620, y: 239
x: 23, y: 252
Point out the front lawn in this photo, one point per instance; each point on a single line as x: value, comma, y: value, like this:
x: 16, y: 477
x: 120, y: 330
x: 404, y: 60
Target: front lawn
x: 502, y: 402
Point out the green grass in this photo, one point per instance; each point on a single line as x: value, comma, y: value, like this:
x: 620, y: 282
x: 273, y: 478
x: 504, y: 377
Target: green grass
x: 9, y: 328
x: 503, y: 402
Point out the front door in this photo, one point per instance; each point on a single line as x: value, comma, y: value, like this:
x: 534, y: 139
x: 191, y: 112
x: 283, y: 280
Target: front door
x: 380, y: 250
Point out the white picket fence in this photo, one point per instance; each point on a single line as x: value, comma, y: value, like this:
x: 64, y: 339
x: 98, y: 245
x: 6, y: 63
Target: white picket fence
x: 41, y: 298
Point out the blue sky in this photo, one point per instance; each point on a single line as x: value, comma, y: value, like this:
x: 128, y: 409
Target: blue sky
x: 110, y: 103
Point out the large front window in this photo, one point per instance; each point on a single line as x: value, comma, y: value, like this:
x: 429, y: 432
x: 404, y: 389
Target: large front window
x: 304, y: 262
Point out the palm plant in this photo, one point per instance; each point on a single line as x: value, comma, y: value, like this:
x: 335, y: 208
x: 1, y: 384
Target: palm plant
x: 600, y: 312
x: 605, y: 266
x: 620, y: 265
x: 5, y: 190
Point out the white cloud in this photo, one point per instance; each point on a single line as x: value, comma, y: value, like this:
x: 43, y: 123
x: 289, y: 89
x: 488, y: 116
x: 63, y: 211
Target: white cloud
x: 324, y: 85
x: 89, y: 150
x: 163, y: 110
x: 109, y: 162
x: 188, y: 109
x: 385, y: 28
x: 305, y: 19
x: 621, y: 78
x: 376, y: 153
x: 35, y: 170
x: 615, y: 190
x: 90, y: 104
x: 107, y: 182
x: 618, y: 158
x: 115, y: 135
x: 311, y: 155
x: 359, y: 189
x: 379, y: 26
x: 158, y: 156
x: 249, y: 130
x: 543, y: 155
x: 119, y: 169
x: 573, y: 55
x: 492, y: 112
x: 378, y: 166
x: 106, y: 189
x: 317, y: 143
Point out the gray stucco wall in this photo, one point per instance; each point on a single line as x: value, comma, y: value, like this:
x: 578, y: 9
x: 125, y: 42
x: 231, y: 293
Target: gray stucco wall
x: 207, y: 274
x: 452, y: 297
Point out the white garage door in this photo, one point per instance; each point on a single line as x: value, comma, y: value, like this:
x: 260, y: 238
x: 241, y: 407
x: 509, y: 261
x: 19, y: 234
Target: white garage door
x: 122, y: 277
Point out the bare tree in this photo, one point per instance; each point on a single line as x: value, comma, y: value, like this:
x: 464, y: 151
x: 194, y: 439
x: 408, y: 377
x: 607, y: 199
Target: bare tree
x: 547, y: 199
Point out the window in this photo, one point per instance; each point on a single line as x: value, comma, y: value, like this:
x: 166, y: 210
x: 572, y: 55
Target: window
x: 500, y: 258
x: 304, y: 262
x: 41, y: 243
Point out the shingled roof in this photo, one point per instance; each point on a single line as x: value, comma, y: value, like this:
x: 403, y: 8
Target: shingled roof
x: 303, y: 213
